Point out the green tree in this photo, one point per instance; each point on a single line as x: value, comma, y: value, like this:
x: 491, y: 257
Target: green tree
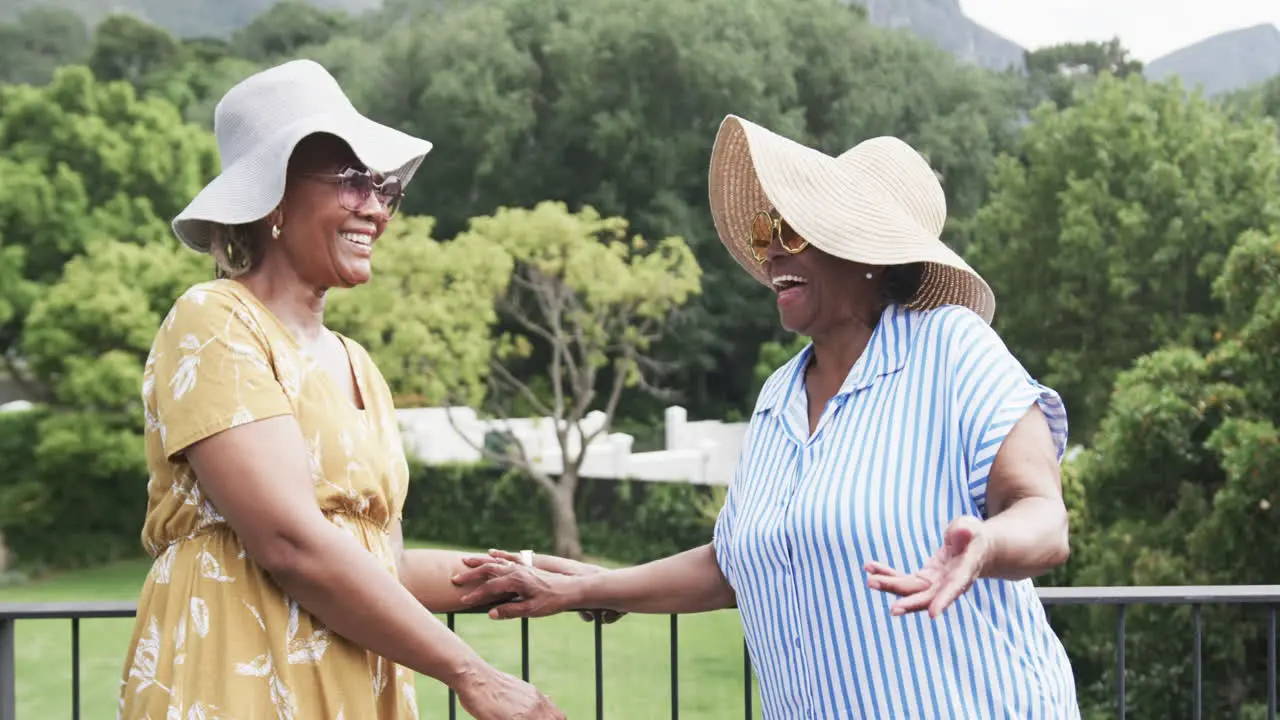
x: 1269, y: 93
x: 1183, y: 484
x: 1261, y: 99
x: 37, y: 42
x: 184, y: 18
x: 86, y: 338
x: 88, y: 269
x: 427, y: 317
x: 773, y: 355
x: 574, y: 100
x: 855, y: 81
x: 84, y: 161
x: 1104, y: 232
x: 88, y: 333
x: 1057, y: 73
x: 586, y: 300
x: 194, y: 82
x: 287, y: 26
x: 128, y: 48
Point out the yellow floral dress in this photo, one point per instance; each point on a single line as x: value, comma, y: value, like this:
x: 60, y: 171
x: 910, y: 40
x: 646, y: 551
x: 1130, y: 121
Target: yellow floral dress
x: 215, y: 637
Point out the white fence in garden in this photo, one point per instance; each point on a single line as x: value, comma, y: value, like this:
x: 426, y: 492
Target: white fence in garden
x: 703, y: 452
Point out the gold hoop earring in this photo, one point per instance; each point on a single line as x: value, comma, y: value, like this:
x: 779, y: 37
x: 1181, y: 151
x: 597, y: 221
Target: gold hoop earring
x: 231, y: 254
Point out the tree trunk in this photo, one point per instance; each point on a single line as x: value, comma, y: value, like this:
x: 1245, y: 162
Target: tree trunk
x: 564, y: 523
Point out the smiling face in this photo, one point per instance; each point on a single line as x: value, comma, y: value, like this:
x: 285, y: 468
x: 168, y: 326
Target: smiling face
x: 328, y: 229
x: 817, y: 292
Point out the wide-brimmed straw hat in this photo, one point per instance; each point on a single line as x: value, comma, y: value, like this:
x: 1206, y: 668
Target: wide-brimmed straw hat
x: 879, y: 203
x: 260, y: 121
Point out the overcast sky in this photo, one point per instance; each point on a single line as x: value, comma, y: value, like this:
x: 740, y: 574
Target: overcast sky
x: 1148, y: 28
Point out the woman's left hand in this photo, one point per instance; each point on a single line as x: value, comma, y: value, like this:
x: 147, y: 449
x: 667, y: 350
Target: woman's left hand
x: 946, y: 575
x: 559, y: 566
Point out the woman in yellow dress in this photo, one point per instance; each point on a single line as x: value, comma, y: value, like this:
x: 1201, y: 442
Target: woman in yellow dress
x: 280, y: 587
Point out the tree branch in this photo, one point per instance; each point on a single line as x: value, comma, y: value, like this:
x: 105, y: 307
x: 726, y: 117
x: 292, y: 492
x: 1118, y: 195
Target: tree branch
x: 585, y: 381
x: 583, y: 375
x: 516, y: 384
x: 512, y: 308
x: 554, y: 335
x: 519, y: 459
x: 656, y: 367
x: 557, y: 370
x: 621, y: 370
x: 28, y: 386
x: 552, y: 299
x: 505, y: 377
x: 552, y: 294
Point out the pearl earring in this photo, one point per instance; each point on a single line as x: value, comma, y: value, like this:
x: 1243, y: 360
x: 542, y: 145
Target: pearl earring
x: 275, y: 231
x: 869, y: 276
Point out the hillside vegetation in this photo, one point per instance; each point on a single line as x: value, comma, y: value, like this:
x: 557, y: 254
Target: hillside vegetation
x: 184, y: 18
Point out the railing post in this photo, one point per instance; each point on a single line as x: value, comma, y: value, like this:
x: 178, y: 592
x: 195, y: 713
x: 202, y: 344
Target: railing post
x: 524, y: 649
x: 599, y: 640
x: 1120, y: 638
x: 675, y: 667
x: 453, y: 697
x: 75, y: 668
x: 1271, y: 662
x: 1197, y: 663
x: 8, y: 672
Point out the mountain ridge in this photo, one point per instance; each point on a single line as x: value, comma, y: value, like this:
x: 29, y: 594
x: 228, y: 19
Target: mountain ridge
x: 943, y: 23
x: 1218, y: 64
x: 1221, y: 63
x: 183, y: 18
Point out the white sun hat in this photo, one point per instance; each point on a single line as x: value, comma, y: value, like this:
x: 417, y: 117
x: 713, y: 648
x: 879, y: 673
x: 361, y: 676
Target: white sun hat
x: 260, y: 121
x: 879, y: 203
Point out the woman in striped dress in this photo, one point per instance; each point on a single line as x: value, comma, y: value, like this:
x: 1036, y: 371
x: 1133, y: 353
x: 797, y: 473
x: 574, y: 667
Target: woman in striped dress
x: 898, y: 485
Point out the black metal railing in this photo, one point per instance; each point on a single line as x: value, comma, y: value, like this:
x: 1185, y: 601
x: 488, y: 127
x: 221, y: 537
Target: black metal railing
x: 10, y: 613
x: 1197, y: 596
x: 1119, y: 597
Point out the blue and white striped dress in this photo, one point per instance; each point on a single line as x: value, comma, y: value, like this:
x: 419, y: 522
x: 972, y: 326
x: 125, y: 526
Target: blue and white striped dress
x: 903, y: 448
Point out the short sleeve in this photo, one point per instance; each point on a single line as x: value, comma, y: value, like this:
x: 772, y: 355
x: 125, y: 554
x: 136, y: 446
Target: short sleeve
x: 992, y: 393
x: 722, y: 535
x: 212, y: 370
x: 723, y: 531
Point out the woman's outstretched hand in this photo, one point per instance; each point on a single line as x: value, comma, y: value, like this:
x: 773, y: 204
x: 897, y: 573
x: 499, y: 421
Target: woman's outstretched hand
x: 944, y: 577
x: 545, y: 588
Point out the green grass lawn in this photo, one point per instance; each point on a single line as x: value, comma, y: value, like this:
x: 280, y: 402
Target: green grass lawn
x: 637, y: 667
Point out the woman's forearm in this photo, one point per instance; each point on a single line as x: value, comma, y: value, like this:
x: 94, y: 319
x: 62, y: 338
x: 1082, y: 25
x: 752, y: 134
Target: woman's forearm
x: 689, y: 582
x: 428, y: 576
x: 1028, y: 539
x: 341, y: 584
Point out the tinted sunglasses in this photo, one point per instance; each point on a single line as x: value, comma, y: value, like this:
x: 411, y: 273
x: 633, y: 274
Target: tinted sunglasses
x: 768, y: 226
x: 355, y: 187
